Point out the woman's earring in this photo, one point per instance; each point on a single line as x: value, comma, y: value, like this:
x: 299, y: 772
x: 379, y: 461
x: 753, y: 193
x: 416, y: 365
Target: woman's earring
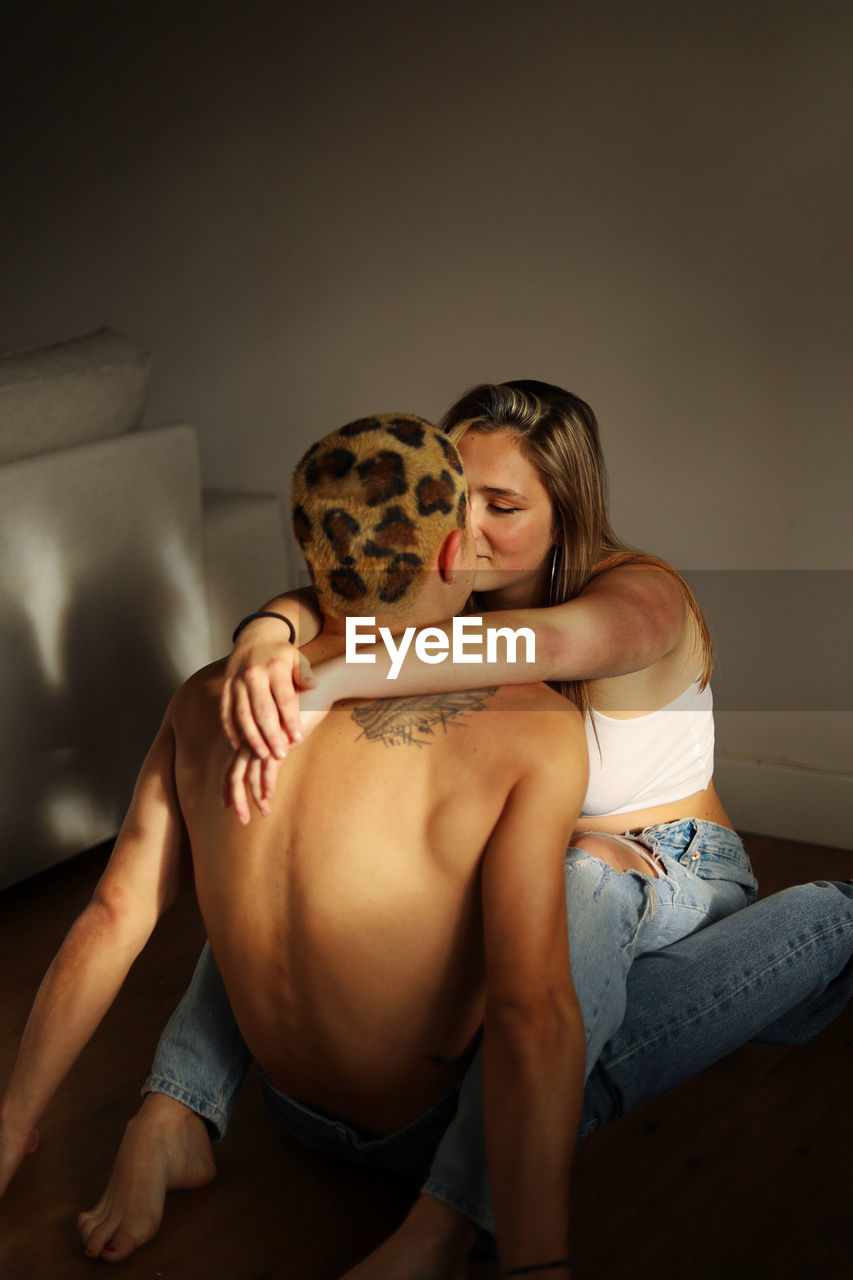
x: 551, y: 591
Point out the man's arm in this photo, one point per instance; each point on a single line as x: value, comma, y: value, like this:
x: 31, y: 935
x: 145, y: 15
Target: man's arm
x: 533, y: 1044
x: 141, y: 880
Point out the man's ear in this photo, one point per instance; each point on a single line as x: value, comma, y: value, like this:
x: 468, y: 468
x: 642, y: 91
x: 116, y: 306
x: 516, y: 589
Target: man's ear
x: 448, y: 554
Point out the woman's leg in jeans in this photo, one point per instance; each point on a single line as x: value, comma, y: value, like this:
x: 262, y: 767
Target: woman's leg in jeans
x: 779, y: 970
x: 201, y: 1059
x: 702, y: 875
x: 614, y: 917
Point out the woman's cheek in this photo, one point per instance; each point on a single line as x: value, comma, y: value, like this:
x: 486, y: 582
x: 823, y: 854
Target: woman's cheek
x: 523, y: 540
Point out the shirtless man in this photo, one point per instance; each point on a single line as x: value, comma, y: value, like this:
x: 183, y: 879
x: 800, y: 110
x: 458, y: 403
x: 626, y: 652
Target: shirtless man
x: 381, y: 914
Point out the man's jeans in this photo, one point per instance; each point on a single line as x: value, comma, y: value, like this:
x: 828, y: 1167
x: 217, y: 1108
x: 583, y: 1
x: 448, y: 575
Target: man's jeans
x: 778, y: 970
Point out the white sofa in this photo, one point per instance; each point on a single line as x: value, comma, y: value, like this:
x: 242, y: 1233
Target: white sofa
x: 118, y: 577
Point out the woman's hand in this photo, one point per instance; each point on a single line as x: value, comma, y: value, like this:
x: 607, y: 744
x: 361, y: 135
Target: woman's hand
x: 259, y: 705
x: 248, y: 776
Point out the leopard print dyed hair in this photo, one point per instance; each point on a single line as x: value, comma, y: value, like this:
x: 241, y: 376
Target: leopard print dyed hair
x: 371, y: 503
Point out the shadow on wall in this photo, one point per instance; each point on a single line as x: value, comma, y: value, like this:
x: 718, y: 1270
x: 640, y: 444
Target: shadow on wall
x: 103, y: 614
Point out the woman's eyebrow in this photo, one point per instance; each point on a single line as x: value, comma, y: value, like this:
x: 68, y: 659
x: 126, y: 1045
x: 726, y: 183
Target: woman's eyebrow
x: 503, y: 493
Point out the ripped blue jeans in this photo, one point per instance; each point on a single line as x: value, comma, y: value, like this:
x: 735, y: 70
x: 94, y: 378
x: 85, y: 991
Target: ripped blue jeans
x: 617, y: 916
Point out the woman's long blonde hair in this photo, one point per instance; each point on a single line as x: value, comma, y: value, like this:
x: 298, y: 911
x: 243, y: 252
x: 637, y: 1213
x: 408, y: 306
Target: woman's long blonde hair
x: 557, y: 432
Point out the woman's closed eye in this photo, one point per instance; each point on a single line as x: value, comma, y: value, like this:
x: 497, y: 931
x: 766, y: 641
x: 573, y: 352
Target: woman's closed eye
x: 502, y: 511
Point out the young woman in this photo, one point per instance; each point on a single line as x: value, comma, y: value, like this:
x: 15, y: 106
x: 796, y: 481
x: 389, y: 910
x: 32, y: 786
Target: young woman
x: 656, y: 872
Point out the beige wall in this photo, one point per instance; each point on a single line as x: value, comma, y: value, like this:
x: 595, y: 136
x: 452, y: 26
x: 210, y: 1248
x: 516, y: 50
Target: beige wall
x: 350, y: 207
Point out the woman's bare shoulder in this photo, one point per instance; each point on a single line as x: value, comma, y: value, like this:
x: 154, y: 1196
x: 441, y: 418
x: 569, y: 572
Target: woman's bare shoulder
x: 651, y: 580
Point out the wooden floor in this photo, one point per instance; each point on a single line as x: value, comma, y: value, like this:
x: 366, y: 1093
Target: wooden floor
x: 742, y: 1172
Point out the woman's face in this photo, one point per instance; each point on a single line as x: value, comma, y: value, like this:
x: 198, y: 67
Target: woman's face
x: 511, y: 518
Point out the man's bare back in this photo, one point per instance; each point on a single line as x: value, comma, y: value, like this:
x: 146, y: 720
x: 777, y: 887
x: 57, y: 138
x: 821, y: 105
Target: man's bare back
x: 358, y: 984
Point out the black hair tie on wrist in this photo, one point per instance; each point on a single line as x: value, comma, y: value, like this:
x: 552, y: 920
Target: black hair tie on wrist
x: 557, y: 1265
x: 265, y: 613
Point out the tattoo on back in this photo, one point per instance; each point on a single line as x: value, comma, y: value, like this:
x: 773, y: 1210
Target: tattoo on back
x: 406, y: 722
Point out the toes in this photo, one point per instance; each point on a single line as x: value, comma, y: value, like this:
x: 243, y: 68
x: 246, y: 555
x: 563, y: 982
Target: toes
x: 89, y: 1215
x: 98, y: 1235
x: 91, y: 1219
x: 122, y: 1244
x: 87, y: 1222
x: 113, y: 1240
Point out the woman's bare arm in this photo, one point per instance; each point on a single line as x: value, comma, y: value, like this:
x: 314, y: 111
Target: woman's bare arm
x: 624, y: 621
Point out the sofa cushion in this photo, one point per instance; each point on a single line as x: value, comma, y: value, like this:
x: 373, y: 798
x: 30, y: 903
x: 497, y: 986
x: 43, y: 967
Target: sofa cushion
x: 88, y: 388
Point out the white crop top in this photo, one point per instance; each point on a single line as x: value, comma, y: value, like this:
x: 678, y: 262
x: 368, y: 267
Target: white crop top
x: 653, y: 759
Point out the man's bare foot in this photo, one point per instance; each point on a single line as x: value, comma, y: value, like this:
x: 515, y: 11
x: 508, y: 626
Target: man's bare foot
x: 165, y: 1148
x: 432, y: 1243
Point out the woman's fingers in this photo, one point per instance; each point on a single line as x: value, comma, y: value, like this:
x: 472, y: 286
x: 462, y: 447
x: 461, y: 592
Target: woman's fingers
x: 286, y: 683
x: 255, y: 783
x: 261, y: 716
x: 265, y: 702
x: 234, y: 790
x: 259, y: 703
x: 284, y: 700
x: 269, y: 773
x: 247, y: 727
x: 246, y: 778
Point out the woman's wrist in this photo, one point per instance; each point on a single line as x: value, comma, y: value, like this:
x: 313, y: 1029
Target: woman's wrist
x: 334, y: 680
x: 254, y: 618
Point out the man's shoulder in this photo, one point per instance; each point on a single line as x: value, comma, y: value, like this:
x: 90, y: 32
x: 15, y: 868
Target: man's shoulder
x: 548, y: 744
x: 537, y: 699
x: 542, y: 734
x: 198, y: 696
x: 539, y: 720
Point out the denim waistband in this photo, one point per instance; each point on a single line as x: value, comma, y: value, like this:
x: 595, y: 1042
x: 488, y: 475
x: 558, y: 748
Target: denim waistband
x: 706, y: 848
x: 676, y: 837
x: 407, y: 1151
